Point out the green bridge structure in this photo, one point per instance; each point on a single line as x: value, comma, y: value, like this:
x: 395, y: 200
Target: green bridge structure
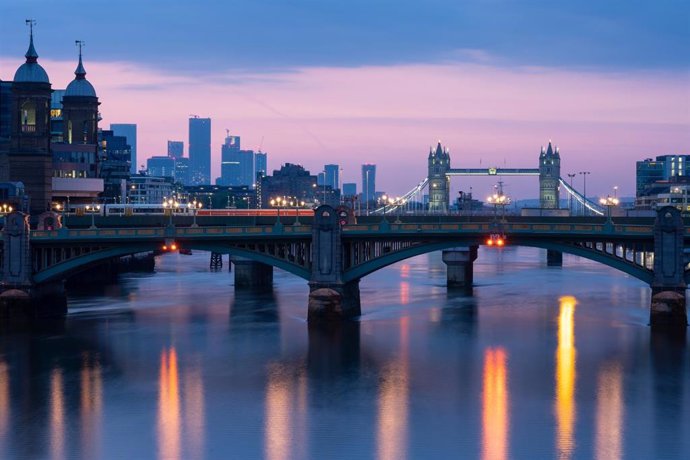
x: 333, y: 254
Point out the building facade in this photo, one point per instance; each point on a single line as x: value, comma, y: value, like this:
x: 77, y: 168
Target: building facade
x: 332, y: 176
x: 200, y: 150
x: 663, y: 168
x: 549, y: 176
x: 161, y: 166
x: 368, y: 186
x: 438, y: 163
x: 129, y: 130
x: 237, y: 165
x: 175, y: 149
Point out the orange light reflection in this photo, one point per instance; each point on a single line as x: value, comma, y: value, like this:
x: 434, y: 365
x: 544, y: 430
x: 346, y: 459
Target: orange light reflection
x: 277, y: 429
x: 393, y: 402
x: 91, y: 405
x: 565, y: 378
x: 194, y: 412
x: 4, y: 398
x: 404, y: 292
x: 57, y: 416
x: 495, y: 406
x: 168, y: 407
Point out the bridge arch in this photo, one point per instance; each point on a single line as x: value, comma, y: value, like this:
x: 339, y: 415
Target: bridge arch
x: 378, y: 263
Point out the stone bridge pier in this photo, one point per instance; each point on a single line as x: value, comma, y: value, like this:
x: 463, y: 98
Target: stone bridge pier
x: 20, y: 298
x: 330, y: 298
x: 250, y: 274
x: 460, y: 267
x: 668, y: 309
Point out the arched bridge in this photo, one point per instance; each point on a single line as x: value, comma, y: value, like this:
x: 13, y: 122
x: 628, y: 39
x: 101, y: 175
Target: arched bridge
x: 328, y: 255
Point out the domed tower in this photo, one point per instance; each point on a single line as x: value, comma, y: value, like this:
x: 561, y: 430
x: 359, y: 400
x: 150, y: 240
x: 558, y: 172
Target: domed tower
x: 439, y: 182
x: 549, y: 175
x: 80, y: 108
x: 30, y: 159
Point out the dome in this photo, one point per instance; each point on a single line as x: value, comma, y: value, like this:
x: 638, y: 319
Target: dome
x: 31, y: 71
x: 80, y: 88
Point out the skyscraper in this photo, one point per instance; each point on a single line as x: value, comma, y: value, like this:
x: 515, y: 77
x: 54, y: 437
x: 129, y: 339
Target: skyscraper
x: 128, y: 130
x: 161, y: 166
x: 349, y: 189
x: 237, y: 165
x: 175, y: 149
x: 368, y: 183
x: 260, y: 164
x: 200, y: 150
x: 332, y: 176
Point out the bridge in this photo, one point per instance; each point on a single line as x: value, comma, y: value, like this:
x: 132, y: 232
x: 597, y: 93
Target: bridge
x: 439, y: 172
x: 333, y: 257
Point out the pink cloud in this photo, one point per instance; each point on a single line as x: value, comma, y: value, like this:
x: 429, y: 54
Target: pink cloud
x: 603, y: 122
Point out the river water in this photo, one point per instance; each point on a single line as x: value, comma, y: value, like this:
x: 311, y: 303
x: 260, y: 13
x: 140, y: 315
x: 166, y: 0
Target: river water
x: 540, y: 362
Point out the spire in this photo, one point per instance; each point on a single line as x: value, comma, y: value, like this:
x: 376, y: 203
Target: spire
x: 31, y: 54
x: 549, y: 149
x: 439, y: 149
x: 80, y: 72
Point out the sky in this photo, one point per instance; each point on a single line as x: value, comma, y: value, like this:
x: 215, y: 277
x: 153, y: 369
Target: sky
x: 378, y: 81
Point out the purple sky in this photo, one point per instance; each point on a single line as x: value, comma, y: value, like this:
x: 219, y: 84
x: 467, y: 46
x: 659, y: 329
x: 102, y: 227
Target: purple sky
x: 608, y: 86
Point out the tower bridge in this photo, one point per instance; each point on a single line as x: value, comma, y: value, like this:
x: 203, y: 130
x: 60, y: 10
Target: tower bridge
x: 439, y: 172
x: 333, y: 257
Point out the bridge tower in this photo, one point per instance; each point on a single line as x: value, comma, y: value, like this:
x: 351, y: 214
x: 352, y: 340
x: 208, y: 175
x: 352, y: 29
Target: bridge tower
x: 549, y: 175
x: 439, y: 182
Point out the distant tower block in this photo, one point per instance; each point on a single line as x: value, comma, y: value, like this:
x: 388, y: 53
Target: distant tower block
x: 439, y: 182
x: 549, y: 175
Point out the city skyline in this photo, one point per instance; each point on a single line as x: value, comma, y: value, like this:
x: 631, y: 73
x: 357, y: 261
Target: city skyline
x: 489, y: 106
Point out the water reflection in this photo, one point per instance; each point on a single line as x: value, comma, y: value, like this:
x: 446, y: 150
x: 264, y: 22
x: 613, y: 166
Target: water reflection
x: 194, y: 412
x: 91, y: 405
x: 393, y: 402
x: 4, y: 400
x: 285, y: 416
x: 57, y: 415
x: 609, y: 435
x: 495, y: 405
x: 168, y: 407
x: 565, y: 378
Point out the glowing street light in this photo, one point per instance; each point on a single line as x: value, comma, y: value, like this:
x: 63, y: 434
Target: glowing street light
x: 609, y: 202
x: 278, y: 203
x: 6, y: 209
x: 171, y: 204
x: 93, y: 209
x: 194, y: 206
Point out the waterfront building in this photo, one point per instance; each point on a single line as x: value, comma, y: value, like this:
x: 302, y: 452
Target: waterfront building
x: 260, y: 163
x: 128, y: 130
x: 222, y: 197
x: 291, y: 181
x: 182, y: 171
x: 29, y: 158
x: 349, y: 189
x: 175, y: 149
x: 200, y: 150
x: 663, y: 168
x: 149, y: 190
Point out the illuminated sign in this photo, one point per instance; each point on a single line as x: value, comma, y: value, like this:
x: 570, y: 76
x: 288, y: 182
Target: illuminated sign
x: 492, y: 171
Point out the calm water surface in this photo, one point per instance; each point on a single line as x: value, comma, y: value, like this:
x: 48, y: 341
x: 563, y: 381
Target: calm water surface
x: 539, y: 363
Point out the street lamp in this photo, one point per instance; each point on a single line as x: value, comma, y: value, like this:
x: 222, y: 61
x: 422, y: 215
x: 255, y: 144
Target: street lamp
x: 278, y: 202
x: 498, y: 199
x: 584, y: 179
x: 171, y: 204
x: 194, y: 205
x: 6, y: 209
x: 570, y: 195
x: 93, y: 209
x: 609, y: 202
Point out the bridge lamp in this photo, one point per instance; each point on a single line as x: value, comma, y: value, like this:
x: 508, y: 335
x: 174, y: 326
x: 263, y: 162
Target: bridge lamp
x: 93, y: 209
x: 6, y: 208
x: 609, y: 202
x: 194, y: 205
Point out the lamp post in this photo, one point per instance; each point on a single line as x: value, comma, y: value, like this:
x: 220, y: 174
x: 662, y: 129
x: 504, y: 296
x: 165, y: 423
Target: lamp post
x: 399, y: 202
x: 570, y: 195
x: 171, y: 204
x: 194, y: 205
x: 384, y: 199
x: 584, y: 180
x: 6, y: 209
x: 609, y: 202
x: 278, y: 202
x: 93, y: 209
x: 298, y: 204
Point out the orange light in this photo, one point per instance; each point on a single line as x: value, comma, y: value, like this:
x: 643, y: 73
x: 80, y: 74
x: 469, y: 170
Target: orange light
x: 165, y: 248
x: 173, y: 247
x: 489, y: 241
x: 500, y: 242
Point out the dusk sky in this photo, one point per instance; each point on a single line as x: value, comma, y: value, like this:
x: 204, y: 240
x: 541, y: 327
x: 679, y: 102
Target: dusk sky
x: 354, y: 82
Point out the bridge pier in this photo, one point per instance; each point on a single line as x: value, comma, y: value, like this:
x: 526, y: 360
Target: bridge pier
x: 460, y: 267
x: 252, y: 275
x: 668, y: 310
x: 554, y: 258
x: 330, y: 298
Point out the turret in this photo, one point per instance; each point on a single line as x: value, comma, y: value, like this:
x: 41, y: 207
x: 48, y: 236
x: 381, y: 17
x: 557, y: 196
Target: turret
x: 439, y: 182
x: 549, y: 176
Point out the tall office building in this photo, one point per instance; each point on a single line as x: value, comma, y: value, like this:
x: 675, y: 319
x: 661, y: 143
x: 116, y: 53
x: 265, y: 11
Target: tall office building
x: 237, y: 165
x: 128, y: 130
x: 182, y: 171
x: 332, y: 178
x: 368, y: 183
x: 175, y: 149
x: 349, y: 189
x: 663, y: 168
x: 114, y: 166
x: 260, y: 164
x: 161, y: 166
x: 200, y: 150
